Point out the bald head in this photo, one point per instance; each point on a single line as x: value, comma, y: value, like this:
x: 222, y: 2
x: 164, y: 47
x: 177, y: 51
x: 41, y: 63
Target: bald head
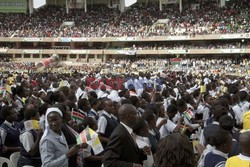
x: 245, y: 138
x: 128, y: 115
x: 245, y: 142
x: 126, y: 109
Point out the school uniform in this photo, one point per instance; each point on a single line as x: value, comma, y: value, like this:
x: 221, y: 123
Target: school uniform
x: 10, y: 136
x: 215, y: 158
x: 27, y: 140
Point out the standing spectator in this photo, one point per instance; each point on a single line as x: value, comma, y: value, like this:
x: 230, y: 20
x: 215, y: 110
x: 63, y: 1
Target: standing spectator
x: 243, y: 159
x: 122, y: 149
x: 141, y: 130
x: 222, y: 140
x: 106, y: 123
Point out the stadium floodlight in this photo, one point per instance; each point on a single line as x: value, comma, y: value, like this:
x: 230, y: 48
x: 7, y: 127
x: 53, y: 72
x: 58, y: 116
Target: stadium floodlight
x: 129, y: 2
x: 38, y: 3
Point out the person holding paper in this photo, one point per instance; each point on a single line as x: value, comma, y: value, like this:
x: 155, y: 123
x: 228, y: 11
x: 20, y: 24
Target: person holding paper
x: 29, y: 140
x: 54, y: 149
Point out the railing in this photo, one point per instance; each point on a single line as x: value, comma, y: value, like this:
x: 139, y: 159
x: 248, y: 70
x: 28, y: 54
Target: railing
x: 127, y: 52
x: 128, y: 39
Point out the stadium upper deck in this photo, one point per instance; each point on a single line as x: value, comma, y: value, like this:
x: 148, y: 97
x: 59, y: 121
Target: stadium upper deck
x: 103, y: 33
x: 138, y: 20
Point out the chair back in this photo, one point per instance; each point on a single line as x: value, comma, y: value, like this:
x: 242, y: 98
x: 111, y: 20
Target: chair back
x: 5, y: 161
x: 14, y: 158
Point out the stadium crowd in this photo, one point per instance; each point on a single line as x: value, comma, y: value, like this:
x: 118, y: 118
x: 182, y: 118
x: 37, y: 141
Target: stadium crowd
x: 141, y: 118
x: 217, y: 45
x: 138, y: 20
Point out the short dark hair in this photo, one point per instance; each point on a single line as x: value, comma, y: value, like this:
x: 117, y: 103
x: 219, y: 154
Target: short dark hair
x: 219, y: 138
x: 172, y: 109
x: 180, y: 103
x: 139, y: 125
x: 30, y: 113
x: 5, y: 111
x: 81, y: 103
x: 226, y: 122
x: 148, y: 115
x: 94, y: 102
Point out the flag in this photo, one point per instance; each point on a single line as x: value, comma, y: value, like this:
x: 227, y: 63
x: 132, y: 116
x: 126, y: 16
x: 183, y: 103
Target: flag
x: 62, y: 83
x: 183, y: 129
x: 77, y: 116
x: 8, y: 89
x: 203, y: 89
x: 188, y: 114
x: 81, y: 138
x: 31, y: 124
x: 90, y: 137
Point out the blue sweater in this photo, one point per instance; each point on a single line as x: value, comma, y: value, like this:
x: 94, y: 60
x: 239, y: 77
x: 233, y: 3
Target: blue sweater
x: 214, y: 160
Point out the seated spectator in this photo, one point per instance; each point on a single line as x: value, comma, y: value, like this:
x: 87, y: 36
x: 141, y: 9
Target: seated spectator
x: 10, y: 131
x: 53, y: 146
x: 29, y: 141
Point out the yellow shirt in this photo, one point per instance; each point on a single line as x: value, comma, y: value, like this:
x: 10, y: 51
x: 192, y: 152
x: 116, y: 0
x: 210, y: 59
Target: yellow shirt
x: 238, y: 161
x: 246, y: 120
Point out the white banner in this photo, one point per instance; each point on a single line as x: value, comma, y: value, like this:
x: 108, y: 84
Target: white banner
x: 126, y: 52
x: 232, y: 51
x: 170, y: 1
x: 66, y: 39
x: 231, y: 36
x: 3, y: 50
x: 32, y: 51
x: 126, y: 39
x: 33, y: 39
x: 79, y: 51
x: 79, y: 39
x: 177, y: 51
x: 177, y: 37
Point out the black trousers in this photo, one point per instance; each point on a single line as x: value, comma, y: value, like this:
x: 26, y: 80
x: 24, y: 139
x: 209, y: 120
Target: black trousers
x: 28, y: 161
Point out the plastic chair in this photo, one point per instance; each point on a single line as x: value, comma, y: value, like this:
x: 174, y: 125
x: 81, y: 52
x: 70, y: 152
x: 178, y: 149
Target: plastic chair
x: 14, y: 158
x: 5, y: 161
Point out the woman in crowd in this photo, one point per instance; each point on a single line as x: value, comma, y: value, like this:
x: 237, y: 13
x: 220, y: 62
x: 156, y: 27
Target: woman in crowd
x: 54, y: 149
x: 141, y: 130
x: 175, y: 150
x: 29, y: 142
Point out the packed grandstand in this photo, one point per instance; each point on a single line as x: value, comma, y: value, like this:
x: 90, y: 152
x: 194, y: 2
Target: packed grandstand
x: 153, y: 85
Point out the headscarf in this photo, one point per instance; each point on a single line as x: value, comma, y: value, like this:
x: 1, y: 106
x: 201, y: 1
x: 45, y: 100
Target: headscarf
x: 50, y: 110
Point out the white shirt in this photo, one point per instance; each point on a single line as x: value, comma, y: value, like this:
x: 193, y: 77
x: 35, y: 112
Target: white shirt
x: 82, y: 93
x: 101, y: 94
x: 238, y: 113
x: 167, y: 128
x: 208, y: 149
x: 27, y: 140
x: 142, y: 142
x: 186, y: 121
x: 244, y: 106
x: 102, y: 123
x: 204, y: 109
x: 130, y: 130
